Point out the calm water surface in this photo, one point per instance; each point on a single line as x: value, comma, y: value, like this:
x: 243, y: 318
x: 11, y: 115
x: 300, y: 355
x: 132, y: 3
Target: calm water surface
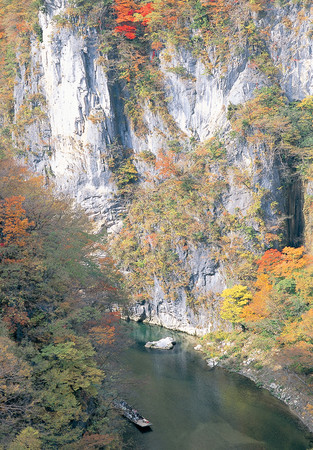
x: 193, y: 408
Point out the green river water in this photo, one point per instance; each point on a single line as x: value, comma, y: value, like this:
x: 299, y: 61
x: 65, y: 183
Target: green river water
x: 194, y: 408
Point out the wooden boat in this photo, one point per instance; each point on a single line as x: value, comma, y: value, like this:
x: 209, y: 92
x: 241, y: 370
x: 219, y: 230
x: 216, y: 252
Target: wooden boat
x: 131, y: 414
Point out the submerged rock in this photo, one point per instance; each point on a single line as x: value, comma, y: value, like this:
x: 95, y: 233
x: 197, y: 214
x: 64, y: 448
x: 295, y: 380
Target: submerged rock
x: 212, y: 362
x: 163, y: 344
x: 198, y: 348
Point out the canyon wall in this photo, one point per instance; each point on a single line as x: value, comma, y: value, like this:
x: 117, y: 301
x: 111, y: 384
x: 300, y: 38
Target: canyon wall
x: 83, y: 122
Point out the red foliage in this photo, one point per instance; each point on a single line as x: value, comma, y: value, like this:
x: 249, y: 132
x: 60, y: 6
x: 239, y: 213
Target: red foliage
x: 283, y: 264
x: 112, y: 317
x: 104, y: 330
x: 144, y: 11
x: 12, y: 317
x: 269, y: 260
x: 94, y: 441
x: 130, y: 16
x: 274, y: 266
x: 128, y: 31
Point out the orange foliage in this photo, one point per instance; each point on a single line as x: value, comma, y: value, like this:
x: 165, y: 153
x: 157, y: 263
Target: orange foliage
x: 15, y: 31
x: 218, y: 10
x: 169, y: 16
x: 299, y: 354
x: 14, y: 221
x: 301, y: 330
x: 276, y: 265
x: 256, y: 310
x: 130, y: 16
x: 292, y: 260
x: 103, y: 335
x: 152, y: 240
x: 103, y: 331
x: 284, y: 263
x: 94, y: 441
x: 165, y: 164
x: 112, y: 317
x: 23, y: 27
x: 269, y: 259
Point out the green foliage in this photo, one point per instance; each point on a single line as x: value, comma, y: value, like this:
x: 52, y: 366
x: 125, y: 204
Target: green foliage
x: 18, y: 21
x: 120, y: 162
x: 54, y: 259
x: 126, y: 175
x: 48, y: 259
x: 65, y: 377
x: 161, y: 220
x: 28, y: 438
x: 226, y: 26
x: 182, y: 210
x: 217, y: 336
x: 147, y: 157
x: 16, y: 388
x: 38, y: 31
x: 286, y: 127
x: 181, y: 71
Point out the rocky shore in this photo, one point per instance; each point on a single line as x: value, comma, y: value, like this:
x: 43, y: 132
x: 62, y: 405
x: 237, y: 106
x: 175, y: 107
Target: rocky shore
x: 287, y: 386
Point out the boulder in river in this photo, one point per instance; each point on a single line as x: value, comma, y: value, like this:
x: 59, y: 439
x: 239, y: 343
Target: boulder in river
x: 163, y: 344
x: 212, y: 362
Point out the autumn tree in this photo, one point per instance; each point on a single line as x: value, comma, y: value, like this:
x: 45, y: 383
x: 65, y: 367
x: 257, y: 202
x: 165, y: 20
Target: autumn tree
x: 282, y: 279
x: 130, y: 16
x: 29, y: 438
x: 50, y: 267
x: 66, y: 376
x: 235, y: 299
x: 14, y: 223
x: 15, y: 388
x: 296, y: 340
x: 165, y: 164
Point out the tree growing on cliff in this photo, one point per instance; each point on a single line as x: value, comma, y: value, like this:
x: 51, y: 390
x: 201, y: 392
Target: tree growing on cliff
x: 130, y: 17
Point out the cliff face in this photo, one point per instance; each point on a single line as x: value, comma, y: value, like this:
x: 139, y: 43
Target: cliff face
x: 84, y: 120
x: 80, y: 121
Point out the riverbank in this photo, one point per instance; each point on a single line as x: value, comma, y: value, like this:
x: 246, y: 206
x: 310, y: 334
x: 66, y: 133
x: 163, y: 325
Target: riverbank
x: 192, y: 407
x: 260, y: 366
x: 266, y: 369
x: 284, y: 385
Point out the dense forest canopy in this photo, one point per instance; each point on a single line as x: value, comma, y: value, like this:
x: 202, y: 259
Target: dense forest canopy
x: 55, y: 296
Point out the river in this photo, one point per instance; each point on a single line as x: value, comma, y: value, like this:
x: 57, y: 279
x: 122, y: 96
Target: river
x: 194, y: 408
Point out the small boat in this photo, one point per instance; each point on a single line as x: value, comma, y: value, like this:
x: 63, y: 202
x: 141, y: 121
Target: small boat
x: 131, y: 414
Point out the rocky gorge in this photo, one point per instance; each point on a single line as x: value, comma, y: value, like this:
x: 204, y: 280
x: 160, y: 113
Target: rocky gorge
x: 184, y: 129
x: 83, y: 124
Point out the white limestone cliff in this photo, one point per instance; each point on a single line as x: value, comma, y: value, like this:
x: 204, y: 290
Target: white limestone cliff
x: 84, y: 117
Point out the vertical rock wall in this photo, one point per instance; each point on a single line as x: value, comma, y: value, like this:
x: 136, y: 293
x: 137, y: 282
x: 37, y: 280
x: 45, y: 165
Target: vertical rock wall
x: 84, y: 117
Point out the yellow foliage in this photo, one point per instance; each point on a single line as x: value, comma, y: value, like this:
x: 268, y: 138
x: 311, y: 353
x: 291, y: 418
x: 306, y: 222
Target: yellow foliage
x: 26, y: 439
x: 235, y: 299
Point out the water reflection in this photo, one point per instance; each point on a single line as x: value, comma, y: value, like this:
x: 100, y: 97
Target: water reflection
x: 192, y: 408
